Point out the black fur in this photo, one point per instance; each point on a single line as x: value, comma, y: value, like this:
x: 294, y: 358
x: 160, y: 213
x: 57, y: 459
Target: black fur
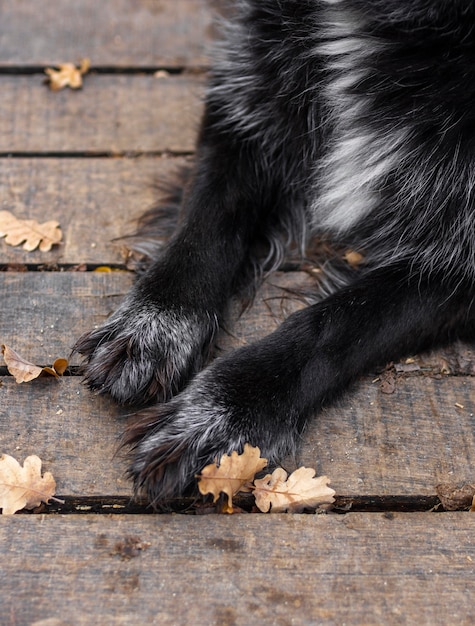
x: 351, y: 118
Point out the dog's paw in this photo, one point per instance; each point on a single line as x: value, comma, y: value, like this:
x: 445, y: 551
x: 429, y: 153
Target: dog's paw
x: 224, y: 407
x: 144, y: 353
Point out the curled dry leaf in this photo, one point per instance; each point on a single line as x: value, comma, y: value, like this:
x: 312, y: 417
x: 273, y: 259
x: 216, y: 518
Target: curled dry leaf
x: 59, y: 366
x: 29, y: 232
x: 279, y: 492
x: 23, y: 487
x: 68, y: 75
x: 231, y: 475
x: 23, y: 371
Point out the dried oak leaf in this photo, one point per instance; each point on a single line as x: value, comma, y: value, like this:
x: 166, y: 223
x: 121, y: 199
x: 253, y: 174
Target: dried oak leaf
x: 29, y: 232
x: 231, y: 475
x: 68, y: 75
x: 23, y: 487
x: 23, y: 371
x: 301, y: 490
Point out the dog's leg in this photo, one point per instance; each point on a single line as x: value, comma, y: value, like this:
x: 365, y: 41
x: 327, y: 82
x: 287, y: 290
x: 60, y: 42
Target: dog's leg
x: 263, y: 394
x: 160, y: 335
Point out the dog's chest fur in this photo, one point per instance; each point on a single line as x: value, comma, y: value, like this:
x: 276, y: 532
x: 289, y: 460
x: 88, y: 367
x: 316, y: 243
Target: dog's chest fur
x: 367, y: 108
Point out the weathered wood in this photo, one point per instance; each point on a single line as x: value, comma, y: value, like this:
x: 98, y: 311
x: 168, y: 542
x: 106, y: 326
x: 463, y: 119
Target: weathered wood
x: 45, y: 312
x: 95, y: 200
x: 356, y: 569
x: 112, y: 114
x: 370, y: 444
x: 407, y: 442
x: 122, y: 34
x: 74, y: 432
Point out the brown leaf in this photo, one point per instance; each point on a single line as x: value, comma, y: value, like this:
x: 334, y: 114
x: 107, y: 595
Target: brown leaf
x: 23, y: 371
x: 23, y: 487
x: 231, y: 475
x: 301, y: 490
x: 60, y: 366
x: 353, y: 258
x: 29, y: 232
x: 68, y: 75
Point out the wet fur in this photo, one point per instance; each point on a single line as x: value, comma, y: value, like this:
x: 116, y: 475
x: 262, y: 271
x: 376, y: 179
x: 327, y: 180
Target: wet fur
x: 349, y: 119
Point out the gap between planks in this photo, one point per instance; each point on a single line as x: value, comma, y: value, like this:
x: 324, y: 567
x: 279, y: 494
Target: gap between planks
x: 343, y: 505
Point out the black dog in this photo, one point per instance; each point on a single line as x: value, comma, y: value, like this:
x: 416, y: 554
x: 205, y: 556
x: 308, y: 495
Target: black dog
x: 353, y: 118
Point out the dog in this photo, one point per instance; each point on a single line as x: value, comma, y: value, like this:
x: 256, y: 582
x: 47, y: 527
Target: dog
x: 352, y: 120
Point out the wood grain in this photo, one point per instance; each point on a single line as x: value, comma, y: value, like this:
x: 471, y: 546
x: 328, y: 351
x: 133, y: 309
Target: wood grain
x: 407, y: 442
x: 369, y: 444
x: 119, y: 34
x: 74, y: 432
x: 45, y: 312
x: 360, y: 569
x: 95, y: 200
x: 112, y: 114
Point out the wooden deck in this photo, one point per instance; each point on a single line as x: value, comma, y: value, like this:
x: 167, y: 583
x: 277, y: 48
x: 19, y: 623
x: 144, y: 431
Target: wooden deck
x: 89, y: 160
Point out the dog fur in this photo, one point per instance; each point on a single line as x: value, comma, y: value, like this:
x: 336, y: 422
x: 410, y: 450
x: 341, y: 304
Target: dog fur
x: 351, y: 119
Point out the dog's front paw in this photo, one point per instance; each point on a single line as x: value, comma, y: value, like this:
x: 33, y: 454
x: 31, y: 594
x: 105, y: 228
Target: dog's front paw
x: 144, y: 352
x: 172, y: 442
x: 233, y: 402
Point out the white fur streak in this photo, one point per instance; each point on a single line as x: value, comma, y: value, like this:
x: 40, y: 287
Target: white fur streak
x: 358, y: 159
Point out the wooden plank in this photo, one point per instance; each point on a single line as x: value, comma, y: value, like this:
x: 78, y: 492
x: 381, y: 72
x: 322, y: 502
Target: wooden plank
x: 369, y: 444
x: 407, y: 442
x: 355, y: 569
x: 112, y: 113
x: 73, y: 431
x: 95, y: 200
x: 146, y: 33
x: 45, y: 312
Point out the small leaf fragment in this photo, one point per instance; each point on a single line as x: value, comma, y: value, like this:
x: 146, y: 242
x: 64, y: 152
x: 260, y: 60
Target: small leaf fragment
x: 23, y: 371
x: 68, y: 75
x: 30, y: 233
x: 60, y: 366
x: 103, y: 269
x: 23, y: 487
x: 279, y: 492
x: 231, y: 475
x: 353, y: 258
